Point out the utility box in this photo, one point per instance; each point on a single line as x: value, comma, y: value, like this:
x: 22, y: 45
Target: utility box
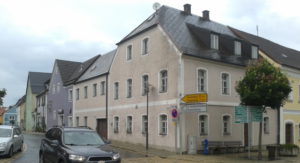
x: 192, y: 145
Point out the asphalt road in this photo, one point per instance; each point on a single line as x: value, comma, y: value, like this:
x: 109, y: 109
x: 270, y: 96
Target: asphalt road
x: 32, y: 145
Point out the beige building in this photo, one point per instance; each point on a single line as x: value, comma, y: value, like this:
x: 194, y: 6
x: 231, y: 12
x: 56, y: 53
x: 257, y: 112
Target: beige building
x: 90, y: 97
x: 174, y: 53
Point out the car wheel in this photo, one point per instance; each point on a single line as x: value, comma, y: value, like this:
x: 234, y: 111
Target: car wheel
x: 21, y: 147
x: 11, y: 152
x: 41, y: 159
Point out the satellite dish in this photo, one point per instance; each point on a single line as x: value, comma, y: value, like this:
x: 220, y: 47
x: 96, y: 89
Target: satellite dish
x: 156, y: 6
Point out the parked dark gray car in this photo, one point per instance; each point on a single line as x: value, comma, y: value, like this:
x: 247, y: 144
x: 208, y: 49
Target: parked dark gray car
x: 11, y: 140
x: 76, y: 144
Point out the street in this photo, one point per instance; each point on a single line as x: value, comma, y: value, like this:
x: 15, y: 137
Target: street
x: 32, y: 145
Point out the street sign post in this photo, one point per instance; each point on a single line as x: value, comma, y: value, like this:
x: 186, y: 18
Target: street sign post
x: 195, y: 98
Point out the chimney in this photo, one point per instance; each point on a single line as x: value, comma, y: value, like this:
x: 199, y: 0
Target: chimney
x: 205, y: 15
x: 187, y: 9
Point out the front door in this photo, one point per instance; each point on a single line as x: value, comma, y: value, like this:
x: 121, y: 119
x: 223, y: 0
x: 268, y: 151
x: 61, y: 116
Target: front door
x: 289, y: 133
x: 102, y: 127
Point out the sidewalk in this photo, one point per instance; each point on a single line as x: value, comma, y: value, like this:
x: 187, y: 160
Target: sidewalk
x: 162, y: 156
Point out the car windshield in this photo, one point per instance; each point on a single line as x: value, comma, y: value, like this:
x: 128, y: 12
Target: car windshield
x: 5, y: 132
x: 82, y: 138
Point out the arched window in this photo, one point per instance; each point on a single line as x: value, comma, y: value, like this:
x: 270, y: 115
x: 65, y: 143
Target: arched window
x: 266, y: 125
x: 203, y: 125
x: 226, y: 125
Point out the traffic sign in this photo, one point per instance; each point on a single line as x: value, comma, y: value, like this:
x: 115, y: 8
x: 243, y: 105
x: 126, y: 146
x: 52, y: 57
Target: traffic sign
x: 246, y: 114
x: 241, y: 114
x: 174, y: 113
x: 195, y: 98
x: 200, y: 107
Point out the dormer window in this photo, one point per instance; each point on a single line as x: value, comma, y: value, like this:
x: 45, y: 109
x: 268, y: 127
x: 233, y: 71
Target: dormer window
x: 254, y: 52
x: 214, y: 41
x: 237, y: 48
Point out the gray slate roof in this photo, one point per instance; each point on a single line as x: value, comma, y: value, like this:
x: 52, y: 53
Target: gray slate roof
x: 181, y: 29
x: 37, y: 80
x: 66, y: 69
x: 282, y: 55
x: 100, y: 67
x: 80, y: 69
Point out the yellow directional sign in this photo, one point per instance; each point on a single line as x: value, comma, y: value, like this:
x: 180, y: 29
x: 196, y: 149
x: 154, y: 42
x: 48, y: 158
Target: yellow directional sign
x: 195, y: 98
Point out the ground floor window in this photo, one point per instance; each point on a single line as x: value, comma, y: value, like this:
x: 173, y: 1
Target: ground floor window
x: 129, y: 124
x: 226, y: 125
x: 144, y: 124
x: 77, y: 121
x: 266, y: 125
x: 163, y: 124
x: 203, y: 125
x: 85, y: 121
x: 116, y: 124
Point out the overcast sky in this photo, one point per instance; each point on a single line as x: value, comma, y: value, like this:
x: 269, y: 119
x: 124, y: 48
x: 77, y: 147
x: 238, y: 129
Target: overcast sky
x: 33, y: 33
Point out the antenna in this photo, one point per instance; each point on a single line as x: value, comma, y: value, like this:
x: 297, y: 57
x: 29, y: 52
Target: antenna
x: 257, y: 30
x: 156, y: 6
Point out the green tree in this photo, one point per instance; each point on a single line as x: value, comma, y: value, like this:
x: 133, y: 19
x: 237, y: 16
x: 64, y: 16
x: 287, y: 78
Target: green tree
x: 263, y: 85
x: 2, y: 94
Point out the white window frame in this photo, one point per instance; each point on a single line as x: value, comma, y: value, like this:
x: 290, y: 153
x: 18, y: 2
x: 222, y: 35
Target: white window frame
x: 160, y: 132
x: 228, y: 85
x: 129, y: 88
x: 143, y: 50
x: 94, y: 89
x: 103, y: 87
x: 129, y: 125
x: 254, y: 52
x: 127, y: 52
x: 116, y: 124
x: 290, y: 96
x: 229, y: 125
x: 214, y: 41
x: 77, y: 94
x: 144, y: 91
x: 237, y: 48
x: 205, y: 80
x: 143, y: 126
x: 85, y: 92
x: 70, y: 95
x: 161, y: 80
x: 207, y: 125
x: 116, y: 90
x: 85, y: 122
x: 266, y: 125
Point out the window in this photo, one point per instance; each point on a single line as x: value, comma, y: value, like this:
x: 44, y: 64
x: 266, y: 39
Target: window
x: 237, y: 48
x: 203, y: 125
x: 145, y: 46
x: 116, y: 124
x: 163, y: 124
x: 70, y: 123
x: 129, y: 52
x: 94, y: 90
x: 85, y: 121
x: 144, y: 124
x: 225, y: 84
x: 226, y: 125
x: 202, y: 80
x: 85, y: 92
x: 77, y: 94
x: 145, y: 79
x: 116, y: 93
x: 129, y: 124
x: 290, y: 97
x: 77, y: 121
x: 254, y: 52
x: 103, y: 88
x: 214, y: 41
x: 163, y: 81
x: 70, y: 95
x: 266, y: 125
x: 129, y: 88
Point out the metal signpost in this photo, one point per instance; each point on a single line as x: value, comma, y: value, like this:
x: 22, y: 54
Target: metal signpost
x: 248, y: 114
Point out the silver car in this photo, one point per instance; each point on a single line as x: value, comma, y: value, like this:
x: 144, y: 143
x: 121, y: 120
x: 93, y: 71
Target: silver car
x: 11, y: 140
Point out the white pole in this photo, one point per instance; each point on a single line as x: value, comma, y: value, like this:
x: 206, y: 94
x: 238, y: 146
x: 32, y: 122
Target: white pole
x: 248, y: 121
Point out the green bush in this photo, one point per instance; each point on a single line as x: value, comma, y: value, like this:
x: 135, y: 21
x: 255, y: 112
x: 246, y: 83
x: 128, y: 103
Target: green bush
x: 289, y: 146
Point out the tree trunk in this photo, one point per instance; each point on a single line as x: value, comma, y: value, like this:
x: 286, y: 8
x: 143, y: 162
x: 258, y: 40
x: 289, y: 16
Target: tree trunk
x: 259, y: 141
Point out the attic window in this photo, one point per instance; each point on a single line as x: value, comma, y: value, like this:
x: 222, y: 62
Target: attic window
x: 214, y: 41
x: 283, y: 55
x: 237, y: 48
x: 93, y: 68
x: 254, y: 52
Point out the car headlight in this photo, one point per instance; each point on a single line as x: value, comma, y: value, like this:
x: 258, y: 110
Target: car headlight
x: 76, y: 158
x: 3, y: 144
x: 116, y: 156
